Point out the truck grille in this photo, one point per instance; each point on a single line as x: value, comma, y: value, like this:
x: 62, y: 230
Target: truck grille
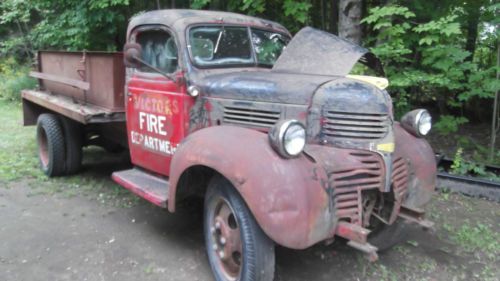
x: 349, y: 184
x: 400, y: 178
x: 365, y: 126
x: 251, y: 117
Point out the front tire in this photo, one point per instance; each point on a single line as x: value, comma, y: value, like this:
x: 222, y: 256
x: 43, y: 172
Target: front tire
x: 387, y: 236
x: 237, y: 248
x: 51, y: 149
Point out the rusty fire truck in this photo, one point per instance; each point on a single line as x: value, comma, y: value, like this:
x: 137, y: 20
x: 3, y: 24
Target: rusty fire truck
x: 284, y: 143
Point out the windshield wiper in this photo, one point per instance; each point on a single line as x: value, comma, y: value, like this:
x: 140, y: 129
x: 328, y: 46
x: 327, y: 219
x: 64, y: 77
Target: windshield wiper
x: 218, y: 39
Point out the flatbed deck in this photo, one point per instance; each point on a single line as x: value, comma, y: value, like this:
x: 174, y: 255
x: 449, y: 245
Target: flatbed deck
x: 84, y: 113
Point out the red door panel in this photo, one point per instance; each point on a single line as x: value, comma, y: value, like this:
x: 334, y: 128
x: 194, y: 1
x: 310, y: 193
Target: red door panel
x: 156, y: 114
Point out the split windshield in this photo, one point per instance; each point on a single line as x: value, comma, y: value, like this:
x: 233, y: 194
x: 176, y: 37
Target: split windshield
x: 224, y: 46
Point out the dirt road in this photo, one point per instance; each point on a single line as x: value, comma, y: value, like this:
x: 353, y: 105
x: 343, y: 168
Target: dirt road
x: 59, y: 236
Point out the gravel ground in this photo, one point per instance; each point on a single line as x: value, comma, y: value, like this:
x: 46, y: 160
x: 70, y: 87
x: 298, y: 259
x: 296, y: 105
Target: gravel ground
x: 46, y: 235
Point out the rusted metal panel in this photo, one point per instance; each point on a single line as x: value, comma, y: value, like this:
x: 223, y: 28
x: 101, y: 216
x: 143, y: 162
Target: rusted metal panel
x: 103, y: 72
x: 297, y: 202
x: 422, y: 167
x: 286, y: 196
x: 179, y: 20
x: 71, y: 82
x: 85, y: 114
x: 150, y: 187
x: 313, y: 51
x: 414, y: 215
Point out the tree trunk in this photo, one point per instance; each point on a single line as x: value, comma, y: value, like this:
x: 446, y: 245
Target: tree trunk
x: 473, y: 9
x: 349, y: 20
x: 334, y: 19
x: 494, y: 119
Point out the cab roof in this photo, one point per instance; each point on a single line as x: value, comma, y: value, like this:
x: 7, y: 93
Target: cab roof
x: 179, y: 19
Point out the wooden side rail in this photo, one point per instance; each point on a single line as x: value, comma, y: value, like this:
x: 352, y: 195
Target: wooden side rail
x: 68, y: 81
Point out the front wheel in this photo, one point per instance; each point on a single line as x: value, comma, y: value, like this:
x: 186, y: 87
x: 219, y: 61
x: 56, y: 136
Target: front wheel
x: 237, y: 247
x: 384, y: 237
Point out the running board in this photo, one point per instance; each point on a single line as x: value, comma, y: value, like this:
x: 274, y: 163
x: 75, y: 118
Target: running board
x: 150, y: 187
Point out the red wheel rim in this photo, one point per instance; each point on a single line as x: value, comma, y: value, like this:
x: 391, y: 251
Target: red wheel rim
x: 226, y: 240
x: 43, y: 148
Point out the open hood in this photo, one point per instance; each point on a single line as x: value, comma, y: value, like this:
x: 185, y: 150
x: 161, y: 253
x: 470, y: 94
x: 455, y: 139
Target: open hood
x: 313, y: 51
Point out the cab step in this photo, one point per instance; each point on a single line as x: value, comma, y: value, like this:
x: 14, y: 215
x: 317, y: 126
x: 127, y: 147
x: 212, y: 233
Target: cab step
x: 148, y: 186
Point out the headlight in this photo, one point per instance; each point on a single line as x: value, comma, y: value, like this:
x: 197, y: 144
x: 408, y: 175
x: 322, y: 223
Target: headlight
x: 417, y: 122
x: 288, y: 138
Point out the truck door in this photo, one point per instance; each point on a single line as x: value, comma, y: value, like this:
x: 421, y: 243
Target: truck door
x: 155, y: 103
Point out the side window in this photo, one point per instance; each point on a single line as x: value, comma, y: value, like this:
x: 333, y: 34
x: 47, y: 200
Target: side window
x: 268, y: 45
x: 159, y: 50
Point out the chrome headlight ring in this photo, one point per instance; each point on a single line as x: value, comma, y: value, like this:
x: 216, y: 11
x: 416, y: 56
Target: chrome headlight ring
x: 288, y: 138
x: 418, y: 122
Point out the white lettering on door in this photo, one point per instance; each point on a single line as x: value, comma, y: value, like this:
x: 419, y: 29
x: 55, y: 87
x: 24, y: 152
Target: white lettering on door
x: 153, y: 123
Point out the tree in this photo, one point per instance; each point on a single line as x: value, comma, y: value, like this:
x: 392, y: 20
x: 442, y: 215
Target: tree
x: 350, y: 20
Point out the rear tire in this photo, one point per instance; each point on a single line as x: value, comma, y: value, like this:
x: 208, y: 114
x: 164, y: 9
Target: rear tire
x: 73, y: 141
x: 51, y: 149
x: 246, y: 253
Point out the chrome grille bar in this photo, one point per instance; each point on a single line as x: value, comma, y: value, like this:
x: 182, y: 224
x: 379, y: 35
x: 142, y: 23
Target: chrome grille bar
x: 251, y: 117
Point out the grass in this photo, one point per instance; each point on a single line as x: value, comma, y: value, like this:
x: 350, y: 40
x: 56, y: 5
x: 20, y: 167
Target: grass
x: 19, y: 162
x: 478, y: 236
x: 18, y: 157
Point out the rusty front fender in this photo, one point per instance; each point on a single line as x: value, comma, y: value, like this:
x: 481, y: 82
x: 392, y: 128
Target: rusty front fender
x: 423, y: 168
x: 284, y: 195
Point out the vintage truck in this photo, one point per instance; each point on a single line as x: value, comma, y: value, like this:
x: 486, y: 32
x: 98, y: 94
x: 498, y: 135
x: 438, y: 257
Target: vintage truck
x: 285, y: 145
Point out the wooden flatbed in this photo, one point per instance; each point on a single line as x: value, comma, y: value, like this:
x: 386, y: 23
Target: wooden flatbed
x: 84, y: 113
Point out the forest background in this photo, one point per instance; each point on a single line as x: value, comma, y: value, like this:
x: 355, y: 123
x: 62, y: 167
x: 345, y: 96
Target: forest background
x: 441, y: 55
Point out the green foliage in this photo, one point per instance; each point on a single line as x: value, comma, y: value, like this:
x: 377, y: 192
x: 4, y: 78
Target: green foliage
x: 254, y: 7
x: 13, y: 79
x: 199, y: 4
x: 426, y: 62
x: 90, y: 25
x: 478, y: 237
x: 448, y: 124
x: 482, y: 84
x: 58, y: 24
x: 299, y: 10
x: 462, y: 167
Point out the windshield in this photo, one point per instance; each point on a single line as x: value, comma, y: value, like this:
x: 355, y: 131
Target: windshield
x: 231, y: 46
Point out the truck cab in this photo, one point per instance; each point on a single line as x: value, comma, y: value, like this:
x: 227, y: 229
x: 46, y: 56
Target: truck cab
x: 283, y: 142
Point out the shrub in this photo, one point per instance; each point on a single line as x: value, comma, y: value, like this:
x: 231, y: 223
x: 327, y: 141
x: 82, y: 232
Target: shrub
x: 13, y: 79
x: 448, y: 124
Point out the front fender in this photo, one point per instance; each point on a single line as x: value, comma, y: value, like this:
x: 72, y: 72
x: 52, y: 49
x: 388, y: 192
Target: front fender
x: 423, y: 170
x: 284, y: 195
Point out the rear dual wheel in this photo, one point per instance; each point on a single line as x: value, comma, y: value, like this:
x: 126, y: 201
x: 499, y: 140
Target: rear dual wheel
x: 237, y: 248
x: 59, y: 145
x: 73, y: 142
x: 51, y: 150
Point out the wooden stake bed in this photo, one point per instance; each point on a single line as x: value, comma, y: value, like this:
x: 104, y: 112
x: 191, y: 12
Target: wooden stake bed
x: 82, y: 113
